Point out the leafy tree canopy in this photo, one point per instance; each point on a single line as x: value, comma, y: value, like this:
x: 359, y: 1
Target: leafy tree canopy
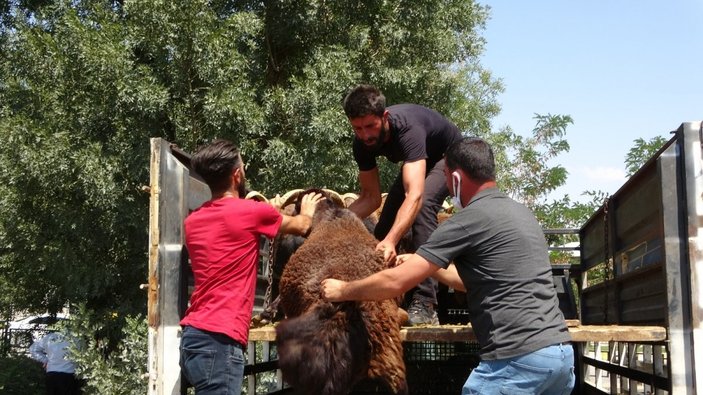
x: 641, y: 152
x: 85, y: 83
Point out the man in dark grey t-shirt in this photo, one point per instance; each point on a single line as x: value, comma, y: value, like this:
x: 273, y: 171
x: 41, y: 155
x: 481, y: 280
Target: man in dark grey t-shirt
x: 417, y: 136
x: 500, y: 259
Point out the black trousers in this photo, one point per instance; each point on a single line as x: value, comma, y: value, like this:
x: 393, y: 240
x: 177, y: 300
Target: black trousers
x: 425, y: 223
x: 62, y: 384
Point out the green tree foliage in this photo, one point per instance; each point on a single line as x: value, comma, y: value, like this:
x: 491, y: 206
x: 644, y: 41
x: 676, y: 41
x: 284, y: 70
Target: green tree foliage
x: 110, y: 352
x: 84, y: 84
x: 641, y: 152
x: 74, y: 115
x: 523, y: 163
x: 21, y: 375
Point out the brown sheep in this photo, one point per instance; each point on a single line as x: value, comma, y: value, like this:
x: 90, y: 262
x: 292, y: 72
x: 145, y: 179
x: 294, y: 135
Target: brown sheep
x: 325, y: 348
x: 287, y: 244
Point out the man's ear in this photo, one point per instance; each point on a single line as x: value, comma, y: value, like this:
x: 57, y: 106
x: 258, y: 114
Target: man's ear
x: 237, y: 175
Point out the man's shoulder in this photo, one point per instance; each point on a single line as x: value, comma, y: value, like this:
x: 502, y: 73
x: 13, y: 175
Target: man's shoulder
x: 489, y: 196
x: 224, y: 205
x: 251, y: 204
x: 407, y: 116
x: 406, y: 108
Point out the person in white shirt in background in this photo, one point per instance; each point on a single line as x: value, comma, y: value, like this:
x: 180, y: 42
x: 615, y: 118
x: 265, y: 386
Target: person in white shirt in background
x: 52, y: 352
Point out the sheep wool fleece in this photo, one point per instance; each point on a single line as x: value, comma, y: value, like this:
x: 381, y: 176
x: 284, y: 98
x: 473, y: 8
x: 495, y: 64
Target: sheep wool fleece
x: 222, y: 237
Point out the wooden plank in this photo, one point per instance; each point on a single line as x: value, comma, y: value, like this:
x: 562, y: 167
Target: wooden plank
x: 438, y: 333
x: 461, y: 333
x: 572, y: 323
x: 619, y: 333
x: 263, y: 334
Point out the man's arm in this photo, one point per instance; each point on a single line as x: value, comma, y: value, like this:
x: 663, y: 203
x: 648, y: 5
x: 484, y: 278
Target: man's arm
x: 414, y: 184
x: 38, y: 351
x: 383, y: 285
x: 300, y: 224
x: 450, y: 277
x: 370, y: 195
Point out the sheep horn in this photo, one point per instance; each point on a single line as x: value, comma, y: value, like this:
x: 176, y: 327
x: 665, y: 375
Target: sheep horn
x: 383, y: 202
x: 336, y: 198
x: 349, y: 198
x: 276, y: 201
x: 290, y: 197
x: 254, y: 195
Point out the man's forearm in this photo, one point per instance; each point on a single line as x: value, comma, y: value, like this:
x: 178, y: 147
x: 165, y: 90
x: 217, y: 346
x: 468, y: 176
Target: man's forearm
x: 450, y: 277
x: 404, y: 219
x: 364, y: 206
x: 385, y: 284
x: 379, y: 286
x: 298, y: 225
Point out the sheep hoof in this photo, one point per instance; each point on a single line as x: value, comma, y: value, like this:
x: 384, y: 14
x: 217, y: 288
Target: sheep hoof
x: 257, y: 321
x: 402, y: 316
x: 262, y: 319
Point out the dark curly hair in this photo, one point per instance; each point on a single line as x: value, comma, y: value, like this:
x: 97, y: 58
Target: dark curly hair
x: 364, y: 100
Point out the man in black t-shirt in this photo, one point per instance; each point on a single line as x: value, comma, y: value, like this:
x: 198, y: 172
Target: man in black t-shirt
x: 501, y: 260
x: 416, y: 136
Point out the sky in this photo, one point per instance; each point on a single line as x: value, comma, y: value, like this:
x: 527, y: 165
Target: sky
x: 622, y: 69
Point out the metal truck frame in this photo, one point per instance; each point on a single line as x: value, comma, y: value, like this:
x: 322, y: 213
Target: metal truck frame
x: 638, y: 327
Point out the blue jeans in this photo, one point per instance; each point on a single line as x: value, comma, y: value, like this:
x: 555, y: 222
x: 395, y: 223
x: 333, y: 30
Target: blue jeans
x: 548, y: 371
x: 212, y: 362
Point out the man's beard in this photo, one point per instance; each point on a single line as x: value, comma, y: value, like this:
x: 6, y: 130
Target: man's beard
x: 242, y: 188
x: 376, y: 147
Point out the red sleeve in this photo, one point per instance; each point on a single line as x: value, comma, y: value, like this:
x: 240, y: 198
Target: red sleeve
x: 269, y: 220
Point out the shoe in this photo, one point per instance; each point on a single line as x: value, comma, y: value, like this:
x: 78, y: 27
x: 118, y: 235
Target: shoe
x: 422, y: 313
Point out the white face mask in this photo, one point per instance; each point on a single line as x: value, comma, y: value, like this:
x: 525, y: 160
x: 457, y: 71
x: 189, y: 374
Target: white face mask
x: 456, y: 183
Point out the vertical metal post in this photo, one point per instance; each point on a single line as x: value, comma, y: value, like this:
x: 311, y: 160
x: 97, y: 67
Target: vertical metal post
x: 658, y: 365
x: 251, y: 360
x: 173, y: 194
x: 673, y: 174
x: 647, y: 361
x: 167, y: 208
x: 632, y: 364
x: 613, y: 357
x: 693, y: 165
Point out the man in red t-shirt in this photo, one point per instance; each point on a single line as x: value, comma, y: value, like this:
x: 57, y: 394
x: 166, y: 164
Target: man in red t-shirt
x: 222, y: 238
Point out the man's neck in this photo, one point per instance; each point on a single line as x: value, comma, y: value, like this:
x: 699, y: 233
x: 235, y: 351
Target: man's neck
x: 478, y: 188
x: 486, y: 185
x: 225, y: 195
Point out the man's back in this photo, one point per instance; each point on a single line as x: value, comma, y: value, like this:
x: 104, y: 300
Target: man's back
x: 501, y: 256
x: 52, y: 351
x: 222, y: 239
